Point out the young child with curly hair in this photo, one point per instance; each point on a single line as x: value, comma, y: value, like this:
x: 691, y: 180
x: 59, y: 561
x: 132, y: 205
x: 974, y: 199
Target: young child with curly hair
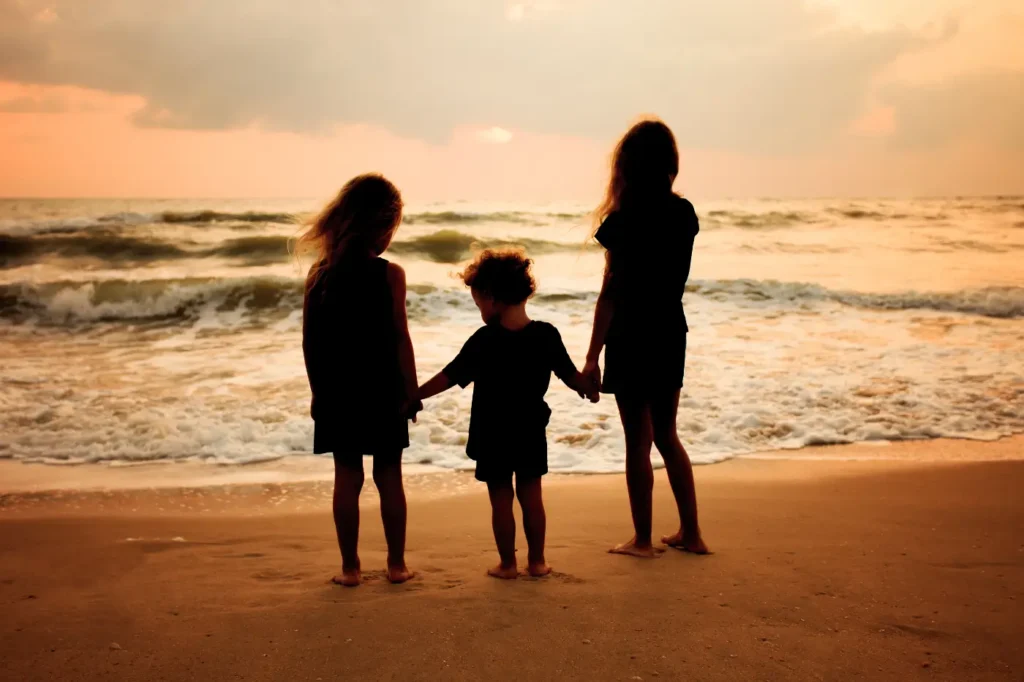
x: 510, y: 360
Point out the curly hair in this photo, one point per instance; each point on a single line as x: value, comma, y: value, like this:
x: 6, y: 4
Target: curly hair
x: 502, y: 274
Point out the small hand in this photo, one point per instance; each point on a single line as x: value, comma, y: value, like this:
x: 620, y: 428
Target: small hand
x: 410, y: 408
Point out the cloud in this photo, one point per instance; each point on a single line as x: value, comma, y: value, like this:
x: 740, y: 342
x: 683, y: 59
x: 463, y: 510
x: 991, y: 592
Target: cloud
x: 50, y: 104
x: 494, y: 135
x: 775, y: 76
x: 984, y: 107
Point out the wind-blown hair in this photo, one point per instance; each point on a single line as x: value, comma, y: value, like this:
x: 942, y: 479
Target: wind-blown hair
x: 362, y: 217
x: 645, y: 164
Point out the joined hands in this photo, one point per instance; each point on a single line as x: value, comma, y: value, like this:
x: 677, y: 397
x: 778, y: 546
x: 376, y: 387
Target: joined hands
x: 411, y: 407
x: 590, y: 382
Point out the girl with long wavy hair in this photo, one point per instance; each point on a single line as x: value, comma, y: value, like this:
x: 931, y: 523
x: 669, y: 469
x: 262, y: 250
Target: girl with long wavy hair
x: 648, y: 233
x: 359, y: 360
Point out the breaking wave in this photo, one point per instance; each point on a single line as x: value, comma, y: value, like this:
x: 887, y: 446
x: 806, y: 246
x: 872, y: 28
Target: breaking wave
x: 184, y: 301
x: 444, y: 246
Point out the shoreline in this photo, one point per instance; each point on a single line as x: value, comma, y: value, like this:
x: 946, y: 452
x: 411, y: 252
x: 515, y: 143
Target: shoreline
x: 19, y: 478
x: 305, y: 485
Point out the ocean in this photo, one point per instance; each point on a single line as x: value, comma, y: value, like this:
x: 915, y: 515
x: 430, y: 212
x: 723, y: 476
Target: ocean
x: 136, y: 331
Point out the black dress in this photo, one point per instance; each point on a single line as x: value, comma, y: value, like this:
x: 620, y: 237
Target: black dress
x: 511, y: 371
x: 351, y: 350
x: 650, y: 246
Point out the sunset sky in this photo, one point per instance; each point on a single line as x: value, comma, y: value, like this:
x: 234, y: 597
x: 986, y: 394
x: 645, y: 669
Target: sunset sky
x: 493, y: 100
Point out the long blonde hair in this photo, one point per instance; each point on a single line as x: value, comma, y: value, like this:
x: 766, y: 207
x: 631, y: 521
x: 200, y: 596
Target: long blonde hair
x: 362, y: 217
x: 645, y: 163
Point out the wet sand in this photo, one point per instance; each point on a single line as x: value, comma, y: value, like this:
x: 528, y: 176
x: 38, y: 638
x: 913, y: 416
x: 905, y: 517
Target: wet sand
x: 828, y: 569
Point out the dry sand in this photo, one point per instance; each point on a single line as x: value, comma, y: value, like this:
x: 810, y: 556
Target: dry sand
x: 875, y: 570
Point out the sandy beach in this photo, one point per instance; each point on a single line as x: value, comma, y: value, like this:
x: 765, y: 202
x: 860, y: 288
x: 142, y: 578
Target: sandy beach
x: 824, y: 569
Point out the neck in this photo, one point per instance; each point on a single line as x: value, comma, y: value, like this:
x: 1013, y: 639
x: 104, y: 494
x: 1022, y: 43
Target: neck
x: 514, y: 317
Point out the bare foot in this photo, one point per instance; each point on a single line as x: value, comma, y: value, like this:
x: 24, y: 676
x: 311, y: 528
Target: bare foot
x: 399, y: 574
x: 504, y: 572
x: 631, y: 548
x: 538, y: 570
x: 687, y: 544
x: 350, y: 578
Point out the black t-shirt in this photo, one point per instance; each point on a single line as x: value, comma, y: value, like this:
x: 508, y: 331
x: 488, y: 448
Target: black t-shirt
x: 512, y: 371
x: 651, y: 248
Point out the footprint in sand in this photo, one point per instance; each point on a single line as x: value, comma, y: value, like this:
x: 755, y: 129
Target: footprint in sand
x: 556, y: 576
x: 927, y: 633
x: 297, y: 547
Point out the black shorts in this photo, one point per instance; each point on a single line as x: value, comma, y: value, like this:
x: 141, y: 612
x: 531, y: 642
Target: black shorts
x: 501, y: 470
x: 354, y: 460
x: 381, y: 436
x: 644, y: 367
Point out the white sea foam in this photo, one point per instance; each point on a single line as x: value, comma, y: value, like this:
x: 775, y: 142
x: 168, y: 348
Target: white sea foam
x: 243, y: 398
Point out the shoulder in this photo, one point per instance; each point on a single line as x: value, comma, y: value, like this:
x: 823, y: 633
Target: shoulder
x: 545, y: 330
x: 543, y: 327
x: 394, y: 274
x: 684, y: 206
x: 609, y: 233
x: 479, y: 337
x: 686, y: 212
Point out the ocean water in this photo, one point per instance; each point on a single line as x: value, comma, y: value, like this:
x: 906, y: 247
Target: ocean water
x: 135, y: 331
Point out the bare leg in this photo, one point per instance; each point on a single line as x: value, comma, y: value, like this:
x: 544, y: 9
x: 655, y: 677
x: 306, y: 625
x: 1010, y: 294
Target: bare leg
x: 504, y: 523
x: 387, y: 475
x: 348, y: 483
x: 535, y: 522
x: 680, y: 474
x: 636, y: 422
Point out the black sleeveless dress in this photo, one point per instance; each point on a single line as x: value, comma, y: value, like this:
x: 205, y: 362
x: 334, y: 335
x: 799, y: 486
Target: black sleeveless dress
x: 650, y: 246
x: 351, y: 350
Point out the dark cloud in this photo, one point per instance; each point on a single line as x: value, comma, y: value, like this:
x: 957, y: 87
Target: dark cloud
x: 760, y: 77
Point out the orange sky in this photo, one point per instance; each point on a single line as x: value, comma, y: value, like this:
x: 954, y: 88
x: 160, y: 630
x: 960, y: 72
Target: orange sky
x: 81, y: 140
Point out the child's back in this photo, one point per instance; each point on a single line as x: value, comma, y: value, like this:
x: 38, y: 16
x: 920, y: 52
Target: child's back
x: 351, y: 349
x: 360, y: 361
x: 511, y: 370
x: 510, y: 361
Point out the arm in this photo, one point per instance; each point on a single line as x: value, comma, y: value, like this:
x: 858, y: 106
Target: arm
x: 459, y: 372
x: 565, y: 369
x: 602, y: 323
x: 439, y: 384
x: 312, y: 352
x: 406, y: 355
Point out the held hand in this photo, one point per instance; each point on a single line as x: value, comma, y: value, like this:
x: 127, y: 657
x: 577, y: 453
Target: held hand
x: 410, y: 408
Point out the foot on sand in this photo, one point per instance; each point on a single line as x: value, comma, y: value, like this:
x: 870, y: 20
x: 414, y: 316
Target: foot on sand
x: 632, y: 548
x: 505, y: 572
x: 399, y: 574
x: 538, y: 569
x: 687, y: 544
x: 349, y: 578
